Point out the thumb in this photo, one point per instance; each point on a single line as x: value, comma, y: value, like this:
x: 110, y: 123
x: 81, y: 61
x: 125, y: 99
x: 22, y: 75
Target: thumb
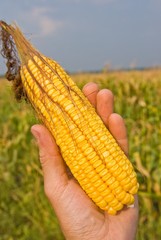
x: 54, y: 171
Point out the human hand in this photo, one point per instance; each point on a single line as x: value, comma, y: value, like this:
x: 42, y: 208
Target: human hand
x: 79, y: 217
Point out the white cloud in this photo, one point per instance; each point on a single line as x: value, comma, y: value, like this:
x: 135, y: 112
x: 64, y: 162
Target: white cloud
x: 40, y: 19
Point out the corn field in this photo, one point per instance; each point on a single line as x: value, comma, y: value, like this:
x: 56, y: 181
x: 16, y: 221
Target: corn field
x: 24, y: 210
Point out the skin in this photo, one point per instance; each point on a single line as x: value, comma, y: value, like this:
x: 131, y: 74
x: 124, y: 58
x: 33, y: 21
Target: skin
x: 78, y: 216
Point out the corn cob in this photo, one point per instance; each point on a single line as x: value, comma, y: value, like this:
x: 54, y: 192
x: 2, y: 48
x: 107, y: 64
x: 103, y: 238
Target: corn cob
x: 88, y: 148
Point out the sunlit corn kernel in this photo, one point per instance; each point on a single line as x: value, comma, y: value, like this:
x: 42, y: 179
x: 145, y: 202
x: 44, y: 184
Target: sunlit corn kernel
x: 75, y: 168
x: 111, y: 163
x: 102, y: 203
x: 104, y: 138
x: 121, y: 196
x: 97, y: 183
x: 85, y: 165
x: 127, y: 186
x: 98, y: 199
x: 122, y: 162
x: 100, y: 168
x: 84, y: 181
x: 112, y: 150
x: 91, y: 174
x: 88, y: 151
x: 125, y: 181
x: 106, y: 176
x: 82, y: 160
x: 113, y: 169
x: 95, y: 178
x: 103, y: 172
x: 133, y: 181
x: 126, y: 199
x: 82, y: 176
x: 111, y: 211
x: 118, y: 207
x: 84, y: 147
x: 114, y: 185
x: 101, y: 148
x: 118, y: 158
x: 133, y: 175
x: 102, y: 187
x: 134, y: 189
x: 132, y: 200
x: 105, y: 154
x: 106, y: 192
x: 109, y: 197
x: 117, y: 190
x: 97, y: 164
x: 115, y: 154
x: 121, y: 176
x: 89, y: 190
x: 125, y: 167
x: 110, y: 181
x: 88, y: 169
x: 129, y: 171
x: 93, y: 160
x: 114, y: 202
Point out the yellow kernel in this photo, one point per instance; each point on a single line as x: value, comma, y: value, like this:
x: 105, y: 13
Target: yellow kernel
x: 106, y: 177
x: 104, y: 138
x: 89, y: 190
x: 122, y: 162
x: 121, y: 176
x: 97, y: 183
x: 117, y: 190
x: 98, y: 199
x: 134, y: 189
x: 126, y: 199
x: 121, y: 195
x: 109, y: 197
x: 111, y: 211
x: 80, y: 138
x: 111, y: 163
x: 88, y: 151
x: 112, y: 150
x: 114, y: 185
x: 114, y: 202
x: 125, y: 181
x: 114, y: 168
x: 82, y: 160
x: 127, y: 186
x: 118, y: 207
x: 88, y: 169
x: 95, y: 178
x: 102, y: 204
x: 100, y: 168
x: 103, y: 172
x: 106, y: 192
x: 110, y: 181
x: 105, y: 154
x: 85, y: 165
x: 91, y: 174
x: 91, y: 155
x: 93, y: 160
x: 84, y: 181
x: 97, y: 164
x: 102, y: 187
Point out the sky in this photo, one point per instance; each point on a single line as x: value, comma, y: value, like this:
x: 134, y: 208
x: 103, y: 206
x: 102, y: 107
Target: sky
x: 88, y: 35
